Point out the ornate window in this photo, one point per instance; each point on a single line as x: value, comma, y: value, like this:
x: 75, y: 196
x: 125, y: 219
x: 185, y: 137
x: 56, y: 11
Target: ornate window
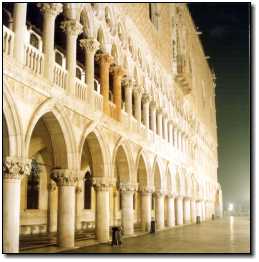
x: 87, y: 191
x: 33, y: 186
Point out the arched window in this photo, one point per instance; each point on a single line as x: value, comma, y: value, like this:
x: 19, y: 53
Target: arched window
x: 88, y: 191
x: 33, y: 186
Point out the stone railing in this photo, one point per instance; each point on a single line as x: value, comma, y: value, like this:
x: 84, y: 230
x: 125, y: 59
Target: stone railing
x: 98, y: 101
x: 8, y: 38
x: 80, y: 90
x: 60, y: 76
x: 34, y: 59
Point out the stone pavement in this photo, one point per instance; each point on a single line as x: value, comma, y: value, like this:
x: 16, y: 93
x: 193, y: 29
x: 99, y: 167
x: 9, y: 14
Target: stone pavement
x: 228, y: 235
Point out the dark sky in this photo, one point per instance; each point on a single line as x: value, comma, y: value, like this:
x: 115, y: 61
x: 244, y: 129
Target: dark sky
x: 225, y: 38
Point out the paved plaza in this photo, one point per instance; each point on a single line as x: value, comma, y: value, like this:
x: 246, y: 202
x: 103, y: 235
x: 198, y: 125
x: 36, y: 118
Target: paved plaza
x: 228, y: 235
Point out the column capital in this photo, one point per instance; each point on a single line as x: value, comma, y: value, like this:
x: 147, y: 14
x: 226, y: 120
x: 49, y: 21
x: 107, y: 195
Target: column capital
x: 50, y: 9
x: 146, y: 189
x: 117, y: 71
x: 153, y: 105
x: 104, y: 58
x: 126, y: 187
x: 72, y: 27
x: 64, y: 177
x: 159, y: 193
x: 103, y: 183
x: 52, y: 186
x: 78, y: 189
x: 90, y: 44
x: 146, y: 98
x: 15, y: 168
x: 159, y: 111
x: 137, y: 91
x: 127, y: 82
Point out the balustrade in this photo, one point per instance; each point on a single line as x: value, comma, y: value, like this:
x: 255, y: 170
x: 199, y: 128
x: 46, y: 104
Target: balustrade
x: 60, y: 76
x: 8, y: 41
x: 81, y: 90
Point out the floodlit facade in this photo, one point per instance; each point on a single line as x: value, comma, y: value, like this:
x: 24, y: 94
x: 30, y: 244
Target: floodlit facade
x: 108, y: 119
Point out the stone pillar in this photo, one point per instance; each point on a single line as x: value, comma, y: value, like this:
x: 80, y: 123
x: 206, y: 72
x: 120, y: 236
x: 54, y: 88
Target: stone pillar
x: 193, y: 211
x: 159, y: 210
x: 78, y: 206
x: 13, y: 170
x: 179, y: 211
x: 50, y: 12
x: 170, y: 130
x: 90, y: 45
x: 72, y: 28
x: 118, y: 73
x: 159, y: 122
x: 127, y: 214
x: 146, y: 110
x: 102, y: 186
x: 105, y: 61
x: 20, y: 11
x: 153, y: 116
x: 170, y: 211
x: 187, y: 211
x: 66, y: 180
x: 52, y: 207
x: 128, y: 96
x: 146, y: 194
x: 137, y: 98
x: 165, y: 127
x: 175, y: 137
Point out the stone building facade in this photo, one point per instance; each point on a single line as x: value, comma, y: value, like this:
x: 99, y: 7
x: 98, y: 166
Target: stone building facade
x: 108, y: 119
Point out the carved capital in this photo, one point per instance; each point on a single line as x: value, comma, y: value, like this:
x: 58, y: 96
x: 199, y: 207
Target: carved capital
x: 103, y: 183
x: 15, y: 168
x: 91, y: 45
x: 146, y: 98
x: 104, y: 59
x: 52, y: 186
x: 137, y: 91
x: 126, y: 187
x: 159, y: 111
x: 78, y: 189
x: 64, y: 177
x: 146, y: 190
x: 127, y: 82
x: 50, y: 9
x: 153, y: 105
x: 72, y: 27
x: 117, y: 71
x: 159, y: 193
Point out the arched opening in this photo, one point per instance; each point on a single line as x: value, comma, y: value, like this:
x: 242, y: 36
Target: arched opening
x: 39, y: 198
x: 92, y: 165
x: 6, y: 143
x: 8, y: 11
x: 122, y: 176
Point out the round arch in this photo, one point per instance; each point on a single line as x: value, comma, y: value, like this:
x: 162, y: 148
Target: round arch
x: 54, y: 118
x: 13, y: 125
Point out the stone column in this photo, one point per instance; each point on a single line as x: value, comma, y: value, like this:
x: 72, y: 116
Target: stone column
x: 50, y: 12
x: 13, y: 170
x: 105, y: 61
x: 127, y: 214
x: 102, y: 186
x: 159, y: 210
x: 170, y: 135
x: 90, y: 45
x: 159, y: 122
x: 78, y: 206
x: 170, y: 211
x: 165, y: 127
x: 52, y: 207
x: 187, y: 211
x: 193, y: 211
x: 175, y: 137
x: 128, y: 96
x: 72, y: 28
x: 118, y: 73
x: 146, y: 110
x: 153, y: 116
x: 179, y: 210
x: 20, y: 10
x: 66, y: 180
x: 146, y: 194
x: 137, y: 98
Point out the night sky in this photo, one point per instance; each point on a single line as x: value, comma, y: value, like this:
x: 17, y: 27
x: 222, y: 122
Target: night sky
x: 225, y: 38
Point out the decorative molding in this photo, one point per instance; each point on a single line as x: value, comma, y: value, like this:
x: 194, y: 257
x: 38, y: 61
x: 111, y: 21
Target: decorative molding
x: 64, y: 177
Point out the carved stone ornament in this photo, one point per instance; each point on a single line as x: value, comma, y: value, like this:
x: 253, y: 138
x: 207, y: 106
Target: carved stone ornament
x: 146, y: 98
x: 146, y: 189
x: 64, y: 177
x: 103, y: 183
x: 117, y: 71
x: 52, y: 186
x: 104, y: 59
x: 126, y: 187
x: 90, y: 44
x: 50, y: 9
x: 72, y: 27
x: 159, y: 193
x: 127, y: 82
x: 15, y: 168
